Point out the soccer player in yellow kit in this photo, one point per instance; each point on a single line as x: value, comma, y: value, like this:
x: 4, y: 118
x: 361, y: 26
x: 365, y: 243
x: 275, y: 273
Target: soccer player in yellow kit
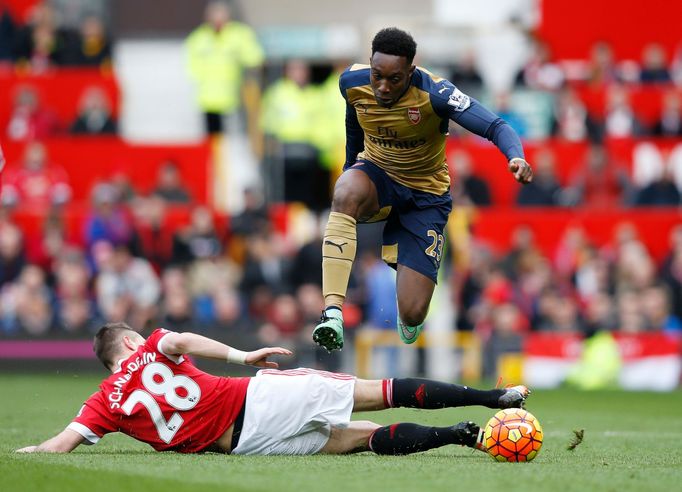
x: 397, y: 118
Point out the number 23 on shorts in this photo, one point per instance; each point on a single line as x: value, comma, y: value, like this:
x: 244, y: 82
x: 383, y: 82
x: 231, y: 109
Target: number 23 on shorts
x: 435, y: 249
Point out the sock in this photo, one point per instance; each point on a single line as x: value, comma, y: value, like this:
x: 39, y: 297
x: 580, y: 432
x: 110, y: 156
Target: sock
x: 338, y: 253
x: 428, y: 394
x: 399, y: 439
x: 334, y: 312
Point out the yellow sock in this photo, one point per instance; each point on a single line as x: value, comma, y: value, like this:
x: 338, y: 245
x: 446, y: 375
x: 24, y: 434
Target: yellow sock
x: 338, y: 253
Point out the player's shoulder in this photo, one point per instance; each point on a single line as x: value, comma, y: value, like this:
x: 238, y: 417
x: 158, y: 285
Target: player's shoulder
x: 154, y: 338
x: 354, y: 76
x: 429, y: 82
x: 444, y: 95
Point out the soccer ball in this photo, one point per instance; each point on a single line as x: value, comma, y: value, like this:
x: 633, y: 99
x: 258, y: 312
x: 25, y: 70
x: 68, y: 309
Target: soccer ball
x: 513, y: 434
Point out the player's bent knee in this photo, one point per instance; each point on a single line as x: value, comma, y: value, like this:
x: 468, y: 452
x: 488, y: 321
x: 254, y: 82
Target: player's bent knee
x: 413, y: 316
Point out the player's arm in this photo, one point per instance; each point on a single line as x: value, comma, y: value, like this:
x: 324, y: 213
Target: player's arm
x: 473, y: 116
x: 193, y: 344
x: 355, y: 136
x: 481, y: 121
x: 64, y: 442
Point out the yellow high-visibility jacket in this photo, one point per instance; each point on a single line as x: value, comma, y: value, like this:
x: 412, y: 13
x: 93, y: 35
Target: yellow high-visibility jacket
x: 216, y: 62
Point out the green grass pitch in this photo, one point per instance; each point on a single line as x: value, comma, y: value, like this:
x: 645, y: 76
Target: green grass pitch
x: 633, y: 441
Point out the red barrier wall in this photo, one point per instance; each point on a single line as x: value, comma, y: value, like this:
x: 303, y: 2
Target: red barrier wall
x: 495, y: 226
x: 92, y: 159
x: 571, y: 28
x: 59, y: 91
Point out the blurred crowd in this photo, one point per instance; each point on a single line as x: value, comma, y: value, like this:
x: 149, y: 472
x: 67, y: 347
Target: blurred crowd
x: 43, y: 41
x: 243, y: 278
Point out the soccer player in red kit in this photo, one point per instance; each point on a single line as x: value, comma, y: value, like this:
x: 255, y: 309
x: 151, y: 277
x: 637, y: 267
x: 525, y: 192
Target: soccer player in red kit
x: 157, y: 396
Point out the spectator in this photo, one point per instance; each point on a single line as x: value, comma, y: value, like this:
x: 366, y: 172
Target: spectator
x: 42, y: 43
x: 544, y: 190
x: 661, y: 192
x: 123, y: 188
x: 199, y: 240
x: 219, y: 77
x: 293, y: 160
x: 265, y: 265
x: 29, y: 120
x: 7, y: 35
x: 177, y: 311
x: 466, y: 185
x: 253, y: 218
x: 630, y: 318
x: 602, y: 67
x: 508, y: 326
x: 465, y: 74
x: 571, y: 121
x: 620, y: 120
x: 592, y: 274
x: 76, y: 311
x: 94, y: 114
x: 540, y: 72
x: 654, y: 68
x: 228, y: 315
x: 283, y: 322
x: 12, y: 253
x: 670, y: 122
x: 44, y: 251
x: 153, y: 232
x: 329, y: 128
x: 32, y: 302
x: 521, y: 252
x: 94, y: 48
x: 656, y: 307
x: 559, y: 314
x: 169, y: 184
x: 671, y: 272
x: 108, y: 220
x: 77, y: 316
x: 37, y: 184
x: 600, y: 314
x: 600, y: 183
x: 127, y: 287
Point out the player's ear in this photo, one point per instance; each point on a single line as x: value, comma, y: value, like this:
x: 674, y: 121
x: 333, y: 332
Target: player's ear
x: 130, y: 343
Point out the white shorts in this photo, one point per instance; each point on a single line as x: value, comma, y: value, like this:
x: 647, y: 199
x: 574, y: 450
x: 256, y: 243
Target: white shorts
x: 292, y: 412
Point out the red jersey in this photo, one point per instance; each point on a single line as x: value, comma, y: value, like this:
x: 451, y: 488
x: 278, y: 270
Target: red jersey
x: 163, y: 400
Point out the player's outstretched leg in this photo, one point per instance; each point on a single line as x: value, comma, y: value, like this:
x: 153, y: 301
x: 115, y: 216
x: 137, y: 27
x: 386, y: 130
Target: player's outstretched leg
x: 429, y: 394
x: 338, y: 254
x: 329, y: 332
x: 400, y: 439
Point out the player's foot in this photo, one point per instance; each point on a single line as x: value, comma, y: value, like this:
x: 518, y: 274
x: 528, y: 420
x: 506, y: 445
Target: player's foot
x: 470, y: 434
x: 514, y: 397
x: 409, y: 334
x: 329, y: 332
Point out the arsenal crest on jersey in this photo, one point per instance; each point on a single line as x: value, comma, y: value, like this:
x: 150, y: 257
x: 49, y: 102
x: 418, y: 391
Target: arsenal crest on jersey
x: 414, y: 115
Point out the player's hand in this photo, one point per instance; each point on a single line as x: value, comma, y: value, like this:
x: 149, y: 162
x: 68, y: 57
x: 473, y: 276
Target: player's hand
x: 521, y: 170
x: 259, y: 357
x: 27, y: 449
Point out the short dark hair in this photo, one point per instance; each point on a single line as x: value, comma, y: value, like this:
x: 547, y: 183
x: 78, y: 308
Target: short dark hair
x: 107, y: 340
x: 394, y: 41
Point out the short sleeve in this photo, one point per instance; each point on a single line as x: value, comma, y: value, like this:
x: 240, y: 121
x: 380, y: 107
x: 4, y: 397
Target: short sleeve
x: 155, y: 342
x: 94, y: 419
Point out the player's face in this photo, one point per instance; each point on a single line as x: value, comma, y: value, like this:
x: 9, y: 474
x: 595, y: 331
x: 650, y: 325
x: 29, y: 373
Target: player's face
x: 390, y: 77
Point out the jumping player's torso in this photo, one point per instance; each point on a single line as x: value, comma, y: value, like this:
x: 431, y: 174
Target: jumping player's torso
x: 407, y: 140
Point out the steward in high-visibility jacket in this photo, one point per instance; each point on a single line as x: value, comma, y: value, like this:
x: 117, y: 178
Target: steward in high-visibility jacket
x: 218, y: 53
